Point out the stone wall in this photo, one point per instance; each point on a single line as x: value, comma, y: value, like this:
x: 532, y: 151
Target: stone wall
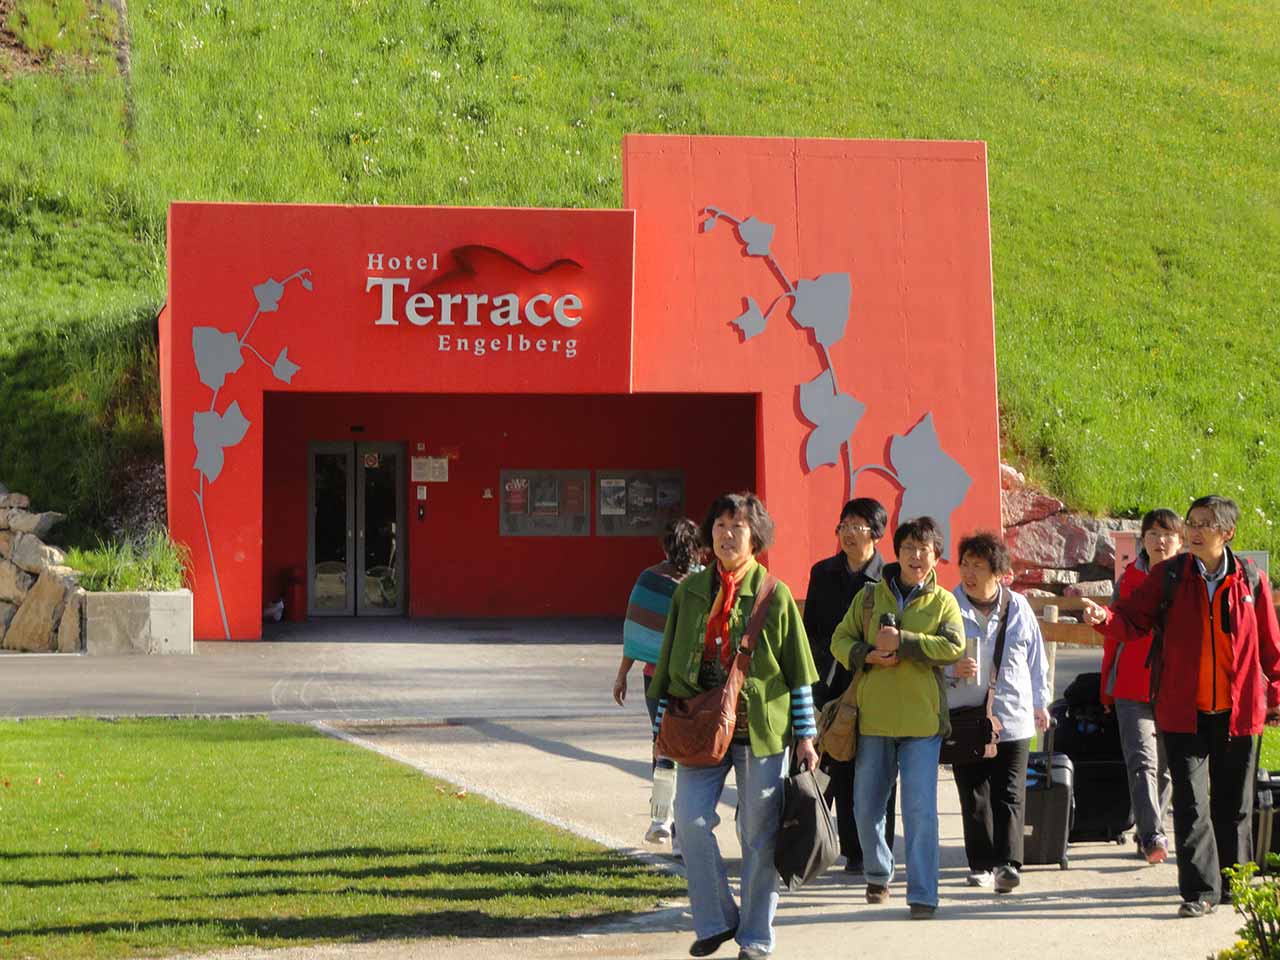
x: 41, y: 605
x: 1052, y: 549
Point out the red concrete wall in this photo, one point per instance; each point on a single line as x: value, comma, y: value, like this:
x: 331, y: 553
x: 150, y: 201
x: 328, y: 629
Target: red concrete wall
x: 458, y: 565
x: 908, y: 222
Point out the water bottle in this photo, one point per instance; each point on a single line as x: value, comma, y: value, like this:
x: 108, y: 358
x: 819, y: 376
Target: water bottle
x: 664, y: 792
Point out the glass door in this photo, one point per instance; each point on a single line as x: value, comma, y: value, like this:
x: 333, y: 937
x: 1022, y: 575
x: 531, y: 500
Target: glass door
x: 380, y: 529
x: 331, y: 533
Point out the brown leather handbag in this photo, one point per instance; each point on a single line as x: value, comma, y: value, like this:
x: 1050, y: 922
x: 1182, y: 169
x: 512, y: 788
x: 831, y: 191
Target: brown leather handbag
x: 696, y: 731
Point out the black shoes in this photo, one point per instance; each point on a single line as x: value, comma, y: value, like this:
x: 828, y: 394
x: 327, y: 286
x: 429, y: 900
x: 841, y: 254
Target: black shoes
x: 709, y: 945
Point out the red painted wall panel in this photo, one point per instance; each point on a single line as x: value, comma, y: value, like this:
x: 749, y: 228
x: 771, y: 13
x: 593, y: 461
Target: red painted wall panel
x: 458, y: 564
x: 908, y: 223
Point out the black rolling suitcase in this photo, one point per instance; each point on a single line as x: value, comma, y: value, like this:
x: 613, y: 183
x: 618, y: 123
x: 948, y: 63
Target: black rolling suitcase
x: 1266, y: 818
x: 1050, y: 806
x: 1104, y: 811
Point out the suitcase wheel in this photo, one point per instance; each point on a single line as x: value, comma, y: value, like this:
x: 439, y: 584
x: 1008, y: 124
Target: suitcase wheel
x: 1062, y: 864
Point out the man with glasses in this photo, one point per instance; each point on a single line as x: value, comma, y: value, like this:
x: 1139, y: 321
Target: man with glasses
x: 833, y: 583
x: 1216, y: 682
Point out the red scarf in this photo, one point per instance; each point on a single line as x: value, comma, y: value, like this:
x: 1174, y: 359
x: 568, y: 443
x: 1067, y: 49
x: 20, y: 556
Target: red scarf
x: 715, y: 645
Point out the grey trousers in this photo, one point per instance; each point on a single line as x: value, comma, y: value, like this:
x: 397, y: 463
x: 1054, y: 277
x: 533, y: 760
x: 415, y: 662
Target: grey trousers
x: 1150, y: 788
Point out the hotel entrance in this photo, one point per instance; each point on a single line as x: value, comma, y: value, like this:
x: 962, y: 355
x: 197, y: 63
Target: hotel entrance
x: 355, y: 556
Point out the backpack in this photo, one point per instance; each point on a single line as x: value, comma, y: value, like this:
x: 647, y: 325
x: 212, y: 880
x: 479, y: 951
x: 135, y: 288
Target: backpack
x: 1155, y: 656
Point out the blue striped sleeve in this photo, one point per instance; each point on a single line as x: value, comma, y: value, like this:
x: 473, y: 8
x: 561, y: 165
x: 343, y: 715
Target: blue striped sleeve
x: 657, y: 717
x: 802, y: 722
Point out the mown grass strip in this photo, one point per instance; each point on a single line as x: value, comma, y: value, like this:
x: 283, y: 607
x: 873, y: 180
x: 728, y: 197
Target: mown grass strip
x: 154, y: 836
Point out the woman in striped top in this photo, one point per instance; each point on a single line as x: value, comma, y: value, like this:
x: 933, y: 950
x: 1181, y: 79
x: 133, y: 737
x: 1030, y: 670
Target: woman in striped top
x: 647, y: 617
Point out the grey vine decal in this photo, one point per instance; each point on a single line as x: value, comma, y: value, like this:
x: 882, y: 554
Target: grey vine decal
x: 932, y: 482
x: 218, y: 355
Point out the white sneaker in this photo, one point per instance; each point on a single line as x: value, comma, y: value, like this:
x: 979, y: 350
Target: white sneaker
x: 980, y: 878
x: 659, y: 832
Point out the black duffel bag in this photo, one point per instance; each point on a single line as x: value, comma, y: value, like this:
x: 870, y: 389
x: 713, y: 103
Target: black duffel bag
x: 807, y: 842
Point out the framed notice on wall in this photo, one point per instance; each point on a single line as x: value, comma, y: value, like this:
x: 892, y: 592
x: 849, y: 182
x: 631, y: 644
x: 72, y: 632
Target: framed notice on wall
x: 637, y: 503
x: 544, y: 503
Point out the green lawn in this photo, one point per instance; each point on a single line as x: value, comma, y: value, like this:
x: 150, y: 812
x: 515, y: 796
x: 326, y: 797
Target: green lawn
x: 1133, y: 149
x: 156, y: 836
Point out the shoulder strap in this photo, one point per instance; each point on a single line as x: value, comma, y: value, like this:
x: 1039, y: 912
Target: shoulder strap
x: 759, y: 611
x: 868, y: 604
x: 1171, y: 574
x: 1006, y: 601
x: 1251, y: 572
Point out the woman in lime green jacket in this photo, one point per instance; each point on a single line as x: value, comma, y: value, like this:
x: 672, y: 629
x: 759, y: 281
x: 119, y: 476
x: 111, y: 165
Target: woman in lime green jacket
x: 896, y: 645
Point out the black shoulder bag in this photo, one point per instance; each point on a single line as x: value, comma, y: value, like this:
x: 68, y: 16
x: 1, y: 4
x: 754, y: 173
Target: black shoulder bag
x: 973, y: 728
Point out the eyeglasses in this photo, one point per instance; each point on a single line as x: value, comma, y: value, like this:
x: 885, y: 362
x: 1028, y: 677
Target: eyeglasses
x: 1201, y: 525
x: 1166, y: 535
x: 849, y: 527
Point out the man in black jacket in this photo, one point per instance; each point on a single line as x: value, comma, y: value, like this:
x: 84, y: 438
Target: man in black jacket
x: 833, y: 583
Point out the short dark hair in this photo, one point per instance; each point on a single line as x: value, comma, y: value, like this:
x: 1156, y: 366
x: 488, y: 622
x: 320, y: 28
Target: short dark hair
x: 1161, y: 517
x: 985, y: 545
x: 870, y: 510
x: 680, y: 543
x: 1224, y: 510
x: 924, y: 529
x: 752, y: 510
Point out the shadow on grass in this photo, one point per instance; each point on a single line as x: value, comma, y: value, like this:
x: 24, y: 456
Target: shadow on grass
x: 365, y: 927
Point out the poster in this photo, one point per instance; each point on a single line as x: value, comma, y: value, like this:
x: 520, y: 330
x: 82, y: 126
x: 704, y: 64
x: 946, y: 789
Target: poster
x: 640, y: 502
x: 515, y: 496
x: 575, y: 496
x: 418, y: 469
x: 613, y: 497
x: 546, y: 496
x: 670, y: 495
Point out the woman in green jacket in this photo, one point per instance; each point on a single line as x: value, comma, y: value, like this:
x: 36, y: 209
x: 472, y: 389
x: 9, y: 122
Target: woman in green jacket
x: 708, y: 617
x: 896, y: 638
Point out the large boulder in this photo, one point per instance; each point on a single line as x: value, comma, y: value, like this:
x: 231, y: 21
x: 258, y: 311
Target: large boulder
x: 34, y: 627
x: 1025, y: 505
x: 14, y: 583
x: 36, y: 524
x: 71, y: 627
x: 1094, y: 589
x: 1010, y: 478
x: 32, y: 555
x: 7, y: 610
x: 1061, y: 541
x: 1044, y: 576
x: 19, y: 500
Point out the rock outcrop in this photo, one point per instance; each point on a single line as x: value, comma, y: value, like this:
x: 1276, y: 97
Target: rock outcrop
x: 41, y: 606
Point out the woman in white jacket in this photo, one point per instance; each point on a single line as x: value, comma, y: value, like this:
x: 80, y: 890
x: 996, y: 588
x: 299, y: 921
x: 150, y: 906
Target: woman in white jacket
x: 993, y: 790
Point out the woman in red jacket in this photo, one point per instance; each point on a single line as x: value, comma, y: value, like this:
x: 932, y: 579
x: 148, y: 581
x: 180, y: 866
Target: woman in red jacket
x: 1126, y: 684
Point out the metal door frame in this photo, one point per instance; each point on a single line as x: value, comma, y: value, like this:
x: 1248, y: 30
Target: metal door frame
x: 399, y: 450
x: 331, y: 447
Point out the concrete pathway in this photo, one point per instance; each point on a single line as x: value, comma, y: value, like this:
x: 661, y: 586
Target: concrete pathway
x: 594, y: 775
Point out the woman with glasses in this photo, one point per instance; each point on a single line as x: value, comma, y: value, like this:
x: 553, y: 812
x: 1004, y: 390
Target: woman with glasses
x: 833, y: 583
x: 1216, y: 683
x: 896, y: 648
x: 1126, y: 686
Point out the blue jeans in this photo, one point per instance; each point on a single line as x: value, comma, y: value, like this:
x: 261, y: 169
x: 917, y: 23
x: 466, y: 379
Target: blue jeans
x: 760, y: 796
x: 878, y: 763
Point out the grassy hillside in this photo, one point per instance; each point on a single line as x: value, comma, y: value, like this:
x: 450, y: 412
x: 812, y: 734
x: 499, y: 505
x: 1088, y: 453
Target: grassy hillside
x: 1133, y: 149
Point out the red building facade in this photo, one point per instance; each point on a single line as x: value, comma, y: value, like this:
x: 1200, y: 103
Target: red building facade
x: 448, y: 412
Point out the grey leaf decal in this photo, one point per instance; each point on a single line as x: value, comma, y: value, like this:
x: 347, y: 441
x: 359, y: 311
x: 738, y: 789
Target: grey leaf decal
x: 751, y: 321
x: 834, y: 416
x: 214, y: 432
x: 217, y: 354
x: 822, y: 305
x: 306, y: 283
x: 268, y: 293
x: 933, y: 484
x: 284, y: 368
x: 757, y: 235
